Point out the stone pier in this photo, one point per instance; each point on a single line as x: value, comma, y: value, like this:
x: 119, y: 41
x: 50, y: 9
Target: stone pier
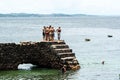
x: 43, y: 54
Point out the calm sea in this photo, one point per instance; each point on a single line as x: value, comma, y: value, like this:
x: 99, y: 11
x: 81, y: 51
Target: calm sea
x: 75, y: 30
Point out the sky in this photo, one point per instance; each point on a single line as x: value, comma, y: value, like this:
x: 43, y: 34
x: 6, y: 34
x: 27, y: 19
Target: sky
x: 92, y: 7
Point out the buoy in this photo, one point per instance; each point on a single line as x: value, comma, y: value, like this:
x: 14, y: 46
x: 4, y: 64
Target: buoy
x: 103, y: 62
x: 110, y: 36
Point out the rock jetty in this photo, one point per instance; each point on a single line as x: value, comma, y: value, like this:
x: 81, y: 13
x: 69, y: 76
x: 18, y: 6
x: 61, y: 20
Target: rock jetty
x: 45, y: 54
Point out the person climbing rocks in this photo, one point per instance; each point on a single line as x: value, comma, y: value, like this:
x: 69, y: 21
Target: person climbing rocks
x: 63, y: 69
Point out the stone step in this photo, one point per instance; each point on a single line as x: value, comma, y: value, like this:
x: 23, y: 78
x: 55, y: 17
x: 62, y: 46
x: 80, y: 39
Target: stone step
x: 74, y: 67
x: 68, y: 58
x: 73, y: 62
x: 60, y: 46
x: 68, y: 54
x: 54, y: 42
x: 63, y: 50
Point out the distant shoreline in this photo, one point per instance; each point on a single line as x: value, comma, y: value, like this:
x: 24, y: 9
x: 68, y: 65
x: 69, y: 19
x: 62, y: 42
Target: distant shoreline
x: 43, y: 15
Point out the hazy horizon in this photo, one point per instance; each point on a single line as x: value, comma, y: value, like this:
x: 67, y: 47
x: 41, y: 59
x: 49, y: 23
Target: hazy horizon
x: 57, y: 14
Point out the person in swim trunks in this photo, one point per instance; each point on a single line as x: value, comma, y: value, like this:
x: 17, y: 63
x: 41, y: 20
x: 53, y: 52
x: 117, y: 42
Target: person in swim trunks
x: 59, y: 32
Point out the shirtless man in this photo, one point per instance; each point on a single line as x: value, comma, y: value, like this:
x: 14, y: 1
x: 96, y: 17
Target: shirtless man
x: 43, y: 32
x: 47, y: 33
x: 50, y: 33
x: 53, y: 33
x: 58, y: 32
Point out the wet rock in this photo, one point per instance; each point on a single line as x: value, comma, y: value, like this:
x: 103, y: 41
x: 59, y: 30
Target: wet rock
x: 87, y: 39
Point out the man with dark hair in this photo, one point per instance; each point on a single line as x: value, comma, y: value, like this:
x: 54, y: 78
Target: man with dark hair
x: 58, y: 32
x: 43, y: 32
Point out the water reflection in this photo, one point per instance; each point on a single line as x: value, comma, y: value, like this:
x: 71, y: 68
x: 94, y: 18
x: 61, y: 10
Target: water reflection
x: 36, y: 74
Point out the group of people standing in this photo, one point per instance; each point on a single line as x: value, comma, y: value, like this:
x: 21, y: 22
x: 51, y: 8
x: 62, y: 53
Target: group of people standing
x: 49, y: 33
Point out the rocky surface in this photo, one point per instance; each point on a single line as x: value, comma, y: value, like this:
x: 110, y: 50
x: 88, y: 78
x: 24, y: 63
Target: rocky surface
x: 43, y: 54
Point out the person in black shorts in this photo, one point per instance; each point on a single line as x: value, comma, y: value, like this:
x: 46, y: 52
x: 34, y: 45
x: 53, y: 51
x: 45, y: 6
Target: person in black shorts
x: 43, y: 32
x: 59, y: 32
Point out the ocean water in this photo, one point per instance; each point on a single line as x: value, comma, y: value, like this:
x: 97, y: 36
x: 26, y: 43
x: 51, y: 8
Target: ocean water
x: 75, y: 30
